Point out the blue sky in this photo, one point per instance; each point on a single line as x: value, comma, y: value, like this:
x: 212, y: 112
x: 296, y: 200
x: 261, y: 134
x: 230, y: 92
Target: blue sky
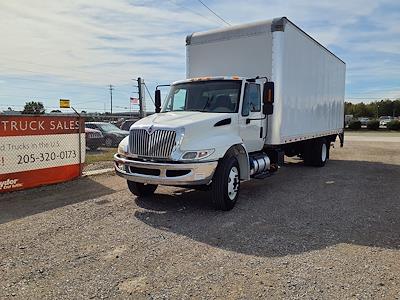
x: 75, y: 49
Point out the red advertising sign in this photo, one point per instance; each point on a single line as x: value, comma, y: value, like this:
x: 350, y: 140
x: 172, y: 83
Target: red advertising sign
x: 39, y: 150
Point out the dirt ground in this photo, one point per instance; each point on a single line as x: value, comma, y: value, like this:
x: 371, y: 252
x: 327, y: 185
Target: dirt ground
x: 313, y: 233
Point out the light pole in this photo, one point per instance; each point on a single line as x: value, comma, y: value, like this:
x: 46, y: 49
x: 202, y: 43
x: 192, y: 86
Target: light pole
x: 377, y: 111
x: 111, y: 94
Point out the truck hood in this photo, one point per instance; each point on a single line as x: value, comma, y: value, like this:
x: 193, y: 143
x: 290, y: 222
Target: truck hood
x: 185, y: 119
x: 196, y: 131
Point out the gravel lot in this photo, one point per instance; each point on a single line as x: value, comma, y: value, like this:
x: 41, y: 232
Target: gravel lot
x: 308, y: 233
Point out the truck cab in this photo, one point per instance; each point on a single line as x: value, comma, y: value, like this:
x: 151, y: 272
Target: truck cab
x: 207, y: 128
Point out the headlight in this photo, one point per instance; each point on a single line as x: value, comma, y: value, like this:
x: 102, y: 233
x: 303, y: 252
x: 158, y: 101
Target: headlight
x: 194, y: 155
x: 123, y: 147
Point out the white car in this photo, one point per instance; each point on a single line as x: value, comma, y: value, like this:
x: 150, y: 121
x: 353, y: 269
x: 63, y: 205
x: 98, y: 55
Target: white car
x: 363, y: 120
x: 384, y: 120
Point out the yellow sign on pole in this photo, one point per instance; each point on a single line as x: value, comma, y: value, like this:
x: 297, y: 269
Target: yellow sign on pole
x: 65, y: 103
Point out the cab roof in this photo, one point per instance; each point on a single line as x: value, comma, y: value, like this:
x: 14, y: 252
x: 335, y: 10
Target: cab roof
x: 208, y: 78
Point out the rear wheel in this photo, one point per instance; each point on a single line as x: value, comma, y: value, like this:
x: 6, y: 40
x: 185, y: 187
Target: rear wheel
x: 316, y: 153
x: 141, y: 189
x: 226, y: 184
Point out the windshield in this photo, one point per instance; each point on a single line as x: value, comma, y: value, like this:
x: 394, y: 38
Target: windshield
x: 219, y: 96
x: 107, y: 127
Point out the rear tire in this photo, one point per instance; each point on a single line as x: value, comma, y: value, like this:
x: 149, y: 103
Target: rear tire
x: 141, y: 189
x: 316, y: 153
x: 226, y: 184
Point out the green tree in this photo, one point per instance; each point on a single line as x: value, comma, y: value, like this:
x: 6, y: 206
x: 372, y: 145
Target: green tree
x: 396, y: 107
x: 33, y: 108
x: 348, y: 108
x: 384, y: 107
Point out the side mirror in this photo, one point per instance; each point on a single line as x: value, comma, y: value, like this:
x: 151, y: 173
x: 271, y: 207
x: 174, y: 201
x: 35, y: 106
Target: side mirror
x: 157, y: 100
x: 268, y: 98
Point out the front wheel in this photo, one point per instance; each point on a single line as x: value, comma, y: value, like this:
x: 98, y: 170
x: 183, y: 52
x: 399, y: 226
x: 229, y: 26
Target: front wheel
x: 141, y: 189
x: 226, y: 184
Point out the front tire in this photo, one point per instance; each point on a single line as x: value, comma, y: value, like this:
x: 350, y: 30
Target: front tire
x: 141, y: 189
x: 226, y: 184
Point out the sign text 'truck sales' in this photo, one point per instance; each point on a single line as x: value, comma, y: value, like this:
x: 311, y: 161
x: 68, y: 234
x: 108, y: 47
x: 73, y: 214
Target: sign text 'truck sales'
x: 39, y: 150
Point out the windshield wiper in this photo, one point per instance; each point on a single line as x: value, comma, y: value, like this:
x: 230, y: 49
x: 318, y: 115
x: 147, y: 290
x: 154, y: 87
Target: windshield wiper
x: 207, y: 103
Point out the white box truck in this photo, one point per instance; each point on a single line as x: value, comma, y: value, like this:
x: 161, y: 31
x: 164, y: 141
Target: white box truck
x: 253, y: 93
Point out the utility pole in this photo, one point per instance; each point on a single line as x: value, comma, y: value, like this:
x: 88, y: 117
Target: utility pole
x: 377, y: 111
x: 111, y: 89
x: 141, y: 110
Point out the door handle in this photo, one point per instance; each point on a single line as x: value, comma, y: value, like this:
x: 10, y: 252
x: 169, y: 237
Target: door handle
x: 248, y: 121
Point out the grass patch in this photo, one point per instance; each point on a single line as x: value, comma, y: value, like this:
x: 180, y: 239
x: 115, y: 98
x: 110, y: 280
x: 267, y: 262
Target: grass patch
x: 102, y: 154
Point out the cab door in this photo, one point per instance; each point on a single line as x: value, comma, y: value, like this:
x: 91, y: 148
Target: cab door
x: 251, y: 118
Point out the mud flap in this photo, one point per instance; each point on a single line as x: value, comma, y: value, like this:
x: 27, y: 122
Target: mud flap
x: 341, y: 138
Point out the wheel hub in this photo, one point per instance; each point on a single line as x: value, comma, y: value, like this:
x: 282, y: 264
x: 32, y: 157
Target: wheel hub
x: 323, y: 152
x: 233, y: 183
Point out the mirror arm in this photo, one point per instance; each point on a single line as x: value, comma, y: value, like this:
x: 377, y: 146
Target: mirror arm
x: 157, y: 97
x: 162, y: 85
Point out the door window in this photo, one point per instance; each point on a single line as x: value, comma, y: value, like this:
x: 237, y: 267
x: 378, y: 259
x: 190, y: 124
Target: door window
x: 252, y: 99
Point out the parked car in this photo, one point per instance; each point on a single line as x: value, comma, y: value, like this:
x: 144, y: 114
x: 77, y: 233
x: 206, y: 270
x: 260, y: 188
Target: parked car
x: 112, y: 134
x: 363, y: 120
x: 348, y: 119
x: 94, y: 138
x: 127, y: 124
x: 384, y: 120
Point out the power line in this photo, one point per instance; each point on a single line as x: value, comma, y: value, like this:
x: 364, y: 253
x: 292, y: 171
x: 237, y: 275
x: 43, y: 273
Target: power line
x: 193, y: 12
x: 219, y: 17
x: 152, y: 100
x: 6, y: 77
x: 49, y: 91
x: 45, y: 72
x: 46, y: 66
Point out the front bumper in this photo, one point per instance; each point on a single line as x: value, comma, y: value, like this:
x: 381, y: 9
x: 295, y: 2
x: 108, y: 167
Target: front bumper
x: 164, y: 173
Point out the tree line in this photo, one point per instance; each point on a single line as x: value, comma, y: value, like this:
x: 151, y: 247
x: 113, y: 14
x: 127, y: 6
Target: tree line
x: 374, y: 109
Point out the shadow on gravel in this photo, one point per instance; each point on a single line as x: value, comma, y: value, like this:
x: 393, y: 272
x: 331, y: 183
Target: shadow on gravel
x: 298, y: 210
x: 21, y: 204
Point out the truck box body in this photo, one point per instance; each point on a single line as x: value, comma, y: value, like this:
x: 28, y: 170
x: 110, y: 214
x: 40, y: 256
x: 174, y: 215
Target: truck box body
x: 309, y: 79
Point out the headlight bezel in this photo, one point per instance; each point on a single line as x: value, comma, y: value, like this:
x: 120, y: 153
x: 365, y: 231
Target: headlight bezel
x: 123, y: 146
x: 199, y: 154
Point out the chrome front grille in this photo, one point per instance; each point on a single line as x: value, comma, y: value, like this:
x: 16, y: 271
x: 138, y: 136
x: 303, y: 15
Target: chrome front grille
x: 158, y: 144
